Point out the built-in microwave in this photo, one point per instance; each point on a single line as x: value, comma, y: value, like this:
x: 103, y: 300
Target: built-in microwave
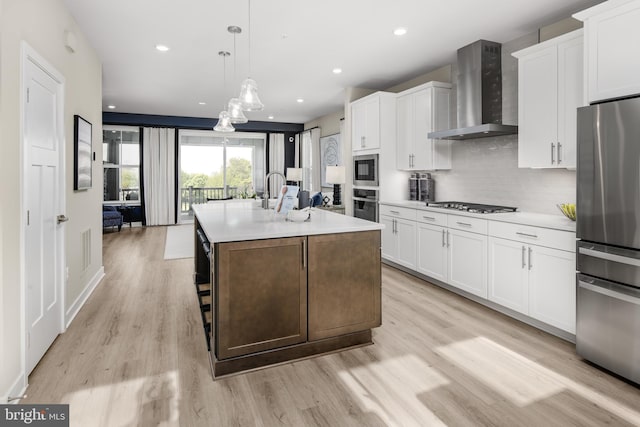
x: 365, y: 170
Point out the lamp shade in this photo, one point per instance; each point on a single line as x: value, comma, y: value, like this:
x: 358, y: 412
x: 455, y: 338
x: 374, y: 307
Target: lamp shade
x: 336, y: 175
x: 249, y: 96
x: 224, y: 123
x: 235, y: 111
x: 294, y: 174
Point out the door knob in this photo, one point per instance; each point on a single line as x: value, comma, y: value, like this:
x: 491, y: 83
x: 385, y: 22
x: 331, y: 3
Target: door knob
x: 62, y: 218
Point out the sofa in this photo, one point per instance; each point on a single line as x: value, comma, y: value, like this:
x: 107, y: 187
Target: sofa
x: 111, y: 217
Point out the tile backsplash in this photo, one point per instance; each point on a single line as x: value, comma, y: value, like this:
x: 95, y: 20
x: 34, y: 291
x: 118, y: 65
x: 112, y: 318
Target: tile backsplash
x: 486, y: 170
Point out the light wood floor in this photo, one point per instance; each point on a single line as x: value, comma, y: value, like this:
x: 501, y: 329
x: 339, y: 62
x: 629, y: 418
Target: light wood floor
x: 135, y: 356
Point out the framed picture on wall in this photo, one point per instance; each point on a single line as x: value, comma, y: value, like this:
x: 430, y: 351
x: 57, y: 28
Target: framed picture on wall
x: 83, y: 151
x: 330, y: 155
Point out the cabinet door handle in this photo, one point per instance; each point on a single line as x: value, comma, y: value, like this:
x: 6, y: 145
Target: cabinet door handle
x: 526, y: 234
x: 559, y: 152
x: 466, y: 224
x: 447, y: 238
x: 429, y: 218
x: 523, y: 255
x: 443, y: 238
x: 395, y: 212
x: 553, y: 154
x: 304, y: 252
x: 530, y: 265
x: 362, y: 141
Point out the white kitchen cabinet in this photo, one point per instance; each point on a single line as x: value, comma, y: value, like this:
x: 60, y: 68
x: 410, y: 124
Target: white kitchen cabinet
x: 534, y: 279
x: 552, y: 287
x: 468, y: 261
x: 399, y: 235
x: 373, y: 120
x: 612, y: 69
x: 420, y: 110
x: 508, y: 274
x: 550, y: 89
x: 432, y: 251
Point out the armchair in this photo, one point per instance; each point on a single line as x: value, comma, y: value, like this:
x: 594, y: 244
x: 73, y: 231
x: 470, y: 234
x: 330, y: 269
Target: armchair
x: 111, y: 217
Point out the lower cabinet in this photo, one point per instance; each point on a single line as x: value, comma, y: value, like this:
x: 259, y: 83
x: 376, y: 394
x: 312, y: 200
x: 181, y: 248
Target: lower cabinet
x: 528, y: 269
x: 345, y: 297
x: 552, y: 287
x: 432, y: 251
x: 468, y: 261
x: 533, y: 280
x: 261, y: 295
x: 399, y: 240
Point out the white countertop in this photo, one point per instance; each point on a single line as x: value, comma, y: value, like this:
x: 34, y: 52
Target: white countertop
x: 555, y: 222
x: 239, y: 221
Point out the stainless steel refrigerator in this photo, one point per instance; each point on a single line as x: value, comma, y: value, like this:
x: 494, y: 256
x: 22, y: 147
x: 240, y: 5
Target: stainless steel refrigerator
x: 608, y: 229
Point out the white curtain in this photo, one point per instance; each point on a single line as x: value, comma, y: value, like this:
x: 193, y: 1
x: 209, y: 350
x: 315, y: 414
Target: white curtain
x: 158, y: 148
x: 311, y: 160
x: 276, y: 162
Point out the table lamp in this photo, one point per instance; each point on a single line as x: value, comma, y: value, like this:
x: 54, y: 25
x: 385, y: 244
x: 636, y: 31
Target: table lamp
x: 336, y: 176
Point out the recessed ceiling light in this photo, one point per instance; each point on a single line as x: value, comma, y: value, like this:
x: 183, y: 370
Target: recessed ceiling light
x: 337, y: 70
x: 270, y: 117
x: 400, y: 31
x: 202, y: 103
x: 162, y: 48
x: 300, y: 100
x: 111, y: 107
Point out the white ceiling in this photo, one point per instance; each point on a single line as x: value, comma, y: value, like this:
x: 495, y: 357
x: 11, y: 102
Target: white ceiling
x: 295, y: 44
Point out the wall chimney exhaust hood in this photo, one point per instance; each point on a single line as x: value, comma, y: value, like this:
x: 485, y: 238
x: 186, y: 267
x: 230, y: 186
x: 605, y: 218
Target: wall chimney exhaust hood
x: 479, y: 94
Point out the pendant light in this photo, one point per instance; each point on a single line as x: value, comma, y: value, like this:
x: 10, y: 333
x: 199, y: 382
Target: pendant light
x: 235, y: 106
x: 249, y: 88
x: 224, y: 120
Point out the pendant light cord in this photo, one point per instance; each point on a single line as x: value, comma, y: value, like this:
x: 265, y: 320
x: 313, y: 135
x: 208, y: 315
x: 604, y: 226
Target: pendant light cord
x: 249, y: 38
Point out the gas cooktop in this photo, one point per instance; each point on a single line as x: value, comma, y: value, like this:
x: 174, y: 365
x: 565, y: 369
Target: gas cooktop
x: 471, y: 207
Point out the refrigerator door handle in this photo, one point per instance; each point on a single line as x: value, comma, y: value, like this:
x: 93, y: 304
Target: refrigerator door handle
x: 609, y: 292
x: 609, y: 257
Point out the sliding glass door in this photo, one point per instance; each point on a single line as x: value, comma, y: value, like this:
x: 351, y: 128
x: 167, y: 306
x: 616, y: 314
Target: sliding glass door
x: 218, y: 166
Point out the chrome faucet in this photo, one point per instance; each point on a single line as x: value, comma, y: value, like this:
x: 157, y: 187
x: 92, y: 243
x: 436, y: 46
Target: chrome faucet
x: 265, y: 199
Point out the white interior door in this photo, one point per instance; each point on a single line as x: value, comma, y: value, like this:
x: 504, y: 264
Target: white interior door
x: 44, y: 198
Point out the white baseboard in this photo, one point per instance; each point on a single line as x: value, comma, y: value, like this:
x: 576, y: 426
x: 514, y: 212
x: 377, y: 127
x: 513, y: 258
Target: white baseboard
x: 82, y: 298
x: 17, y: 389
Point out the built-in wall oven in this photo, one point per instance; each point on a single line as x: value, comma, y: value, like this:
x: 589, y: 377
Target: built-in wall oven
x: 365, y: 170
x: 365, y: 204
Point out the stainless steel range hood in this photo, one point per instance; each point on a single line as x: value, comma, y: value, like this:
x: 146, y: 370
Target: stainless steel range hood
x: 479, y: 94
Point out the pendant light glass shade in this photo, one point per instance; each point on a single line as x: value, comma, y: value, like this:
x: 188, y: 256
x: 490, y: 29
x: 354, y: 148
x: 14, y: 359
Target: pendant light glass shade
x: 235, y: 111
x: 224, y: 123
x: 249, y: 96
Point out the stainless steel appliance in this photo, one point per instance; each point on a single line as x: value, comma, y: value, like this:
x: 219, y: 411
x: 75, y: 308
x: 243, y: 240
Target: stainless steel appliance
x: 472, y: 207
x: 365, y: 204
x: 479, y: 94
x: 365, y: 170
x: 608, y: 229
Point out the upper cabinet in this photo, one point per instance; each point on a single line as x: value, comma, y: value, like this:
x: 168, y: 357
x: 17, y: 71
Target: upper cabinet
x: 420, y: 110
x: 612, y: 32
x: 550, y: 89
x: 373, y: 120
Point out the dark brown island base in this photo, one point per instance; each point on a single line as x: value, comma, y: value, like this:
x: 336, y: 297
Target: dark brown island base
x: 273, y: 291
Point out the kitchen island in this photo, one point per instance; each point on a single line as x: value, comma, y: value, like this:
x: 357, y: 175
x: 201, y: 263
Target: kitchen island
x: 272, y: 291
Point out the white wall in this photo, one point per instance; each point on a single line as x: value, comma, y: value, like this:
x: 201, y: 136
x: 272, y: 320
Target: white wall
x: 42, y: 23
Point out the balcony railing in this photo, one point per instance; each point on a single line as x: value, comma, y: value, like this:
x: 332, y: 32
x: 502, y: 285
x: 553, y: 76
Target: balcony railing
x: 195, y: 195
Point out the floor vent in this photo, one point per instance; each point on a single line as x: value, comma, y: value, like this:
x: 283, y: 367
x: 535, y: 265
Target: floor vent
x: 86, y: 249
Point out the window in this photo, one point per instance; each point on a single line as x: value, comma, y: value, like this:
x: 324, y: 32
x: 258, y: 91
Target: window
x: 121, y: 164
x: 215, y: 165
